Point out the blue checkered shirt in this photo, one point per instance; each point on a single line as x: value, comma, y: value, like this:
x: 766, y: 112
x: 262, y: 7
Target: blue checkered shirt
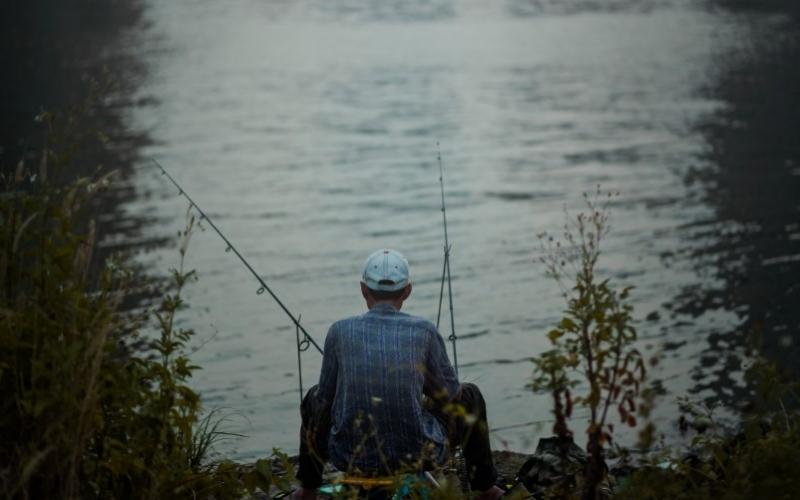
x: 375, y: 370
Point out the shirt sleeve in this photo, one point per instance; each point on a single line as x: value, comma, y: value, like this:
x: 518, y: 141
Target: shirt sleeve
x: 440, y: 377
x: 330, y: 367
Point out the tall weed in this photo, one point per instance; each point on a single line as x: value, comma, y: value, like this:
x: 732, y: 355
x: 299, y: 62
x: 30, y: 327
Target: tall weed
x: 593, y: 344
x: 93, y: 406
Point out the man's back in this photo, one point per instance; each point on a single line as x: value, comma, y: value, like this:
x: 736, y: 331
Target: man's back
x: 375, y: 370
x: 366, y: 413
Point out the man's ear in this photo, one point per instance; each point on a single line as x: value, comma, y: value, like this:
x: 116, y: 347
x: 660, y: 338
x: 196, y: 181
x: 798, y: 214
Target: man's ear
x: 364, y: 291
x: 406, y: 292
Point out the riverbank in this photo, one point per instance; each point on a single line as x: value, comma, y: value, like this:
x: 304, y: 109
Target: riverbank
x: 758, y: 459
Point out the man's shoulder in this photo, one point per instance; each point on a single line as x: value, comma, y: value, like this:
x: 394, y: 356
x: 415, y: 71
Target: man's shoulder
x: 422, y: 323
x: 342, y: 324
x: 346, y: 323
x: 422, y: 326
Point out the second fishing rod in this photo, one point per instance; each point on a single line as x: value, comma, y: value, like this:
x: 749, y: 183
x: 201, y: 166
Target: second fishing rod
x: 446, y: 268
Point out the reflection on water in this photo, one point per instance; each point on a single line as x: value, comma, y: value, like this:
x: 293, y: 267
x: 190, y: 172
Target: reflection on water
x: 308, y: 130
x: 73, y: 59
x: 752, y: 181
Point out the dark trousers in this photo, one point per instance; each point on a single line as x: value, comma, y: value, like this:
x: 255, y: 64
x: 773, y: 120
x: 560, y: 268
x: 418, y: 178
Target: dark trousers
x: 472, y: 437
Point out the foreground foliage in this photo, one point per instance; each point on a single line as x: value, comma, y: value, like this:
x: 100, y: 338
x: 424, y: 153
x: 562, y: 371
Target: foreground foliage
x: 593, y: 350
x: 95, y: 404
x: 592, y: 345
x: 758, y: 460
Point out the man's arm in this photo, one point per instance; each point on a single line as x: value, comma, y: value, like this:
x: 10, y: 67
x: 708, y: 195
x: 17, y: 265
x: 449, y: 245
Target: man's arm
x: 330, y: 367
x: 440, y: 377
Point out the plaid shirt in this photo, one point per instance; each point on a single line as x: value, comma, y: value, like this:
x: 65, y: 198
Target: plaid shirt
x: 375, y: 370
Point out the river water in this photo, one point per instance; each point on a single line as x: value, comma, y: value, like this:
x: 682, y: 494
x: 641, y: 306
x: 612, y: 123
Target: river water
x: 308, y: 130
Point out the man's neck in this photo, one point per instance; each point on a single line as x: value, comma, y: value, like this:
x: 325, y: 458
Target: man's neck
x: 395, y: 304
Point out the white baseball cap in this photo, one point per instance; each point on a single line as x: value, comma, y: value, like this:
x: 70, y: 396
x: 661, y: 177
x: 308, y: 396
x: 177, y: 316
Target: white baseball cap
x: 386, y: 270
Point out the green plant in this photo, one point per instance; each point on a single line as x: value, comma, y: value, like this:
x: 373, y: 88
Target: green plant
x: 94, y: 405
x: 758, y: 459
x: 149, y: 440
x: 593, y: 344
x: 54, y: 334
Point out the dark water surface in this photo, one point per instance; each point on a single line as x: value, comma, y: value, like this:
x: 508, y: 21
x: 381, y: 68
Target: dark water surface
x: 78, y: 60
x: 308, y: 130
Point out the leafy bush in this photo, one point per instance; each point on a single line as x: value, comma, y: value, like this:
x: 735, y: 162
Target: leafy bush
x: 593, y: 348
x: 758, y: 460
x: 593, y: 342
x: 93, y: 407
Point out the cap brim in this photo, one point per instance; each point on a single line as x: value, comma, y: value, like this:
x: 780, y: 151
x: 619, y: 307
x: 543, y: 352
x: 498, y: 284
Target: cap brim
x: 385, y: 287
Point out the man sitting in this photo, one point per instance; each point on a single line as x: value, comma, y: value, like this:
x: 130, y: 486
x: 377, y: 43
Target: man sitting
x: 367, y: 415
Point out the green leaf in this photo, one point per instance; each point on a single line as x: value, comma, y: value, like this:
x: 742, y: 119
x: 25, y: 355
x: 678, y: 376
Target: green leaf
x: 33, y: 463
x: 554, y: 335
x: 568, y: 325
x: 251, y: 481
x: 263, y: 469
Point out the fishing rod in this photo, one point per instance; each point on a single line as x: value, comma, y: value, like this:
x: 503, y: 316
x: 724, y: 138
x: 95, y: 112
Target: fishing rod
x: 446, y: 269
x: 302, y: 344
